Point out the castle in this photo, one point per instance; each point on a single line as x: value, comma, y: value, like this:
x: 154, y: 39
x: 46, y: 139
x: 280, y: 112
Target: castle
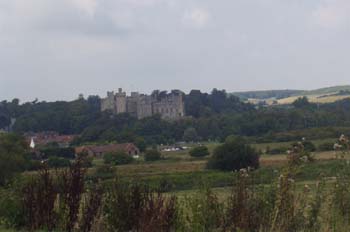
x: 169, y: 106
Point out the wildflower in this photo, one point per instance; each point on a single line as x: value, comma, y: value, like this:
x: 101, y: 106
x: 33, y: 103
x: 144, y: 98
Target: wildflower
x: 306, y: 188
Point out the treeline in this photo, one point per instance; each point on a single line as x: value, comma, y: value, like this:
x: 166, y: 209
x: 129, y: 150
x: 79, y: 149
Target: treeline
x: 304, y: 119
x: 63, y: 117
x: 209, y: 117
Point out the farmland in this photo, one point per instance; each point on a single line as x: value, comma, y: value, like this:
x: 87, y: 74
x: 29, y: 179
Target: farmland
x: 286, y: 97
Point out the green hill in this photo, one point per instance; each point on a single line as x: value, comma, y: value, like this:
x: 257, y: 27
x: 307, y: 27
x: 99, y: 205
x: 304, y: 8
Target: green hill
x: 322, y: 95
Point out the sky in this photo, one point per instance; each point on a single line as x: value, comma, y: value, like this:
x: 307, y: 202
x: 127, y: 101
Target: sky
x: 57, y: 49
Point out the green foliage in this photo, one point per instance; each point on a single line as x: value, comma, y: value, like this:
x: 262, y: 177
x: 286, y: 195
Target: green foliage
x: 68, y: 153
x: 134, y: 207
x: 104, y: 172
x: 152, y: 155
x: 278, y: 94
x: 326, y: 146
x: 11, y: 213
x: 276, y: 151
x: 203, y: 211
x: 199, y: 151
x: 214, y: 117
x: 117, y: 158
x: 190, y: 135
x: 63, y: 117
x: 141, y: 144
x: 12, y: 156
x: 302, y: 102
x: 57, y: 162
x: 85, y: 160
x: 234, y: 154
x: 309, y: 146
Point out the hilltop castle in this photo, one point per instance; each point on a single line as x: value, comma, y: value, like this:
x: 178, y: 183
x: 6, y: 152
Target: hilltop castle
x: 169, y: 106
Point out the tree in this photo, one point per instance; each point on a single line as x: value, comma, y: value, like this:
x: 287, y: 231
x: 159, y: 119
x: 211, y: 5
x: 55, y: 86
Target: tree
x: 302, y: 102
x: 117, y: 158
x: 12, y: 156
x: 200, y: 151
x: 190, y: 135
x: 152, y: 155
x: 309, y: 146
x: 234, y: 154
x: 141, y: 144
x: 57, y: 162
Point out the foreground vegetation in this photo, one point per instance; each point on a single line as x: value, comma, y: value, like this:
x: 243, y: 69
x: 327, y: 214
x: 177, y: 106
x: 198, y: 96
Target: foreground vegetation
x: 302, y: 192
x: 64, y: 201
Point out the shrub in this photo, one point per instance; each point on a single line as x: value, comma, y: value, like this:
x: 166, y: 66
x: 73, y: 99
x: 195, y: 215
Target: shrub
x: 57, y: 162
x: 117, y: 158
x: 234, y: 154
x: 309, y: 146
x: 277, y: 150
x: 200, y: 151
x: 12, y: 156
x: 86, y: 161
x: 203, y: 211
x: 152, y: 155
x: 11, y: 213
x: 68, y: 152
x: 326, y: 146
x: 134, y: 207
x: 104, y: 172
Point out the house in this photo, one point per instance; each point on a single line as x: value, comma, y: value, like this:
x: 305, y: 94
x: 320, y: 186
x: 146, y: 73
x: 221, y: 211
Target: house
x: 100, y: 150
x: 45, y: 138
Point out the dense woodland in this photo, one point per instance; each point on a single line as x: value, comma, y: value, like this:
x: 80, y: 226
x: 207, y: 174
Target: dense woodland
x: 211, y: 116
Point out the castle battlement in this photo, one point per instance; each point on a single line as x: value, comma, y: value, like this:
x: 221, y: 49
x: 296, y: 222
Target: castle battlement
x: 168, y: 105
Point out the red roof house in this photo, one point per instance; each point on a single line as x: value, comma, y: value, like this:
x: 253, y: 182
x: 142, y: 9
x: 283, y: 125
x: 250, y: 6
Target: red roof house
x: 100, y: 150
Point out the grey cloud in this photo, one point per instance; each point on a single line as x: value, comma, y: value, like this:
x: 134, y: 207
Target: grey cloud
x: 57, y: 49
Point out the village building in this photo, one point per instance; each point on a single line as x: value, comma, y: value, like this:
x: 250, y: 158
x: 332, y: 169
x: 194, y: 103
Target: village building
x: 98, y: 151
x: 49, y: 137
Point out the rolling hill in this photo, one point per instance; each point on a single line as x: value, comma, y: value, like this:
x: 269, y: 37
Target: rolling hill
x: 282, y: 97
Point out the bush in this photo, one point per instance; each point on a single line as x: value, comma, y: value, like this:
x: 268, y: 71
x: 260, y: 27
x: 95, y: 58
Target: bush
x: 200, y: 151
x: 68, y: 153
x: 309, y: 146
x: 234, y: 154
x: 104, y: 172
x: 86, y: 161
x: 152, y: 155
x: 117, y: 158
x: 277, y: 151
x: 57, y: 162
x: 326, y: 146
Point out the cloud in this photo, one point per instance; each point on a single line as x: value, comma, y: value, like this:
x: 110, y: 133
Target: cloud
x: 87, y: 6
x: 197, y: 17
x: 331, y: 13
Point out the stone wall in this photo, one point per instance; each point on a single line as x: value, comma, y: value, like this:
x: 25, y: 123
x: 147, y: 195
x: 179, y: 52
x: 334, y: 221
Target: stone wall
x: 169, y: 105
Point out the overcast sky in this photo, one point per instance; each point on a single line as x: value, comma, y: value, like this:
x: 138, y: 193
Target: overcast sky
x: 56, y: 49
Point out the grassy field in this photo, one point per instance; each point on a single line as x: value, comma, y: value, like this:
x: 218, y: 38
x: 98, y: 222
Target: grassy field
x: 314, y: 99
x: 182, y: 162
x: 178, y: 171
x: 323, y: 95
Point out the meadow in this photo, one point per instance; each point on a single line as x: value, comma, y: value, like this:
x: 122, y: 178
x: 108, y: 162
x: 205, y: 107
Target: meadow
x: 178, y: 193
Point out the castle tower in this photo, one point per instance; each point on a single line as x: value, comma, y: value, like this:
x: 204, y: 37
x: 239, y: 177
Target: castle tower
x: 120, y: 101
x: 109, y: 103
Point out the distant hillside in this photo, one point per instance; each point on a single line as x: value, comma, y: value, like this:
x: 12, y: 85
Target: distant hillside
x: 328, y: 90
x: 323, y: 95
x: 266, y: 94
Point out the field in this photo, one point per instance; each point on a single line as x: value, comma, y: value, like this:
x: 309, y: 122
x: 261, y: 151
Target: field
x: 200, y: 193
x: 180, y: 171
x: 324, y: 95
